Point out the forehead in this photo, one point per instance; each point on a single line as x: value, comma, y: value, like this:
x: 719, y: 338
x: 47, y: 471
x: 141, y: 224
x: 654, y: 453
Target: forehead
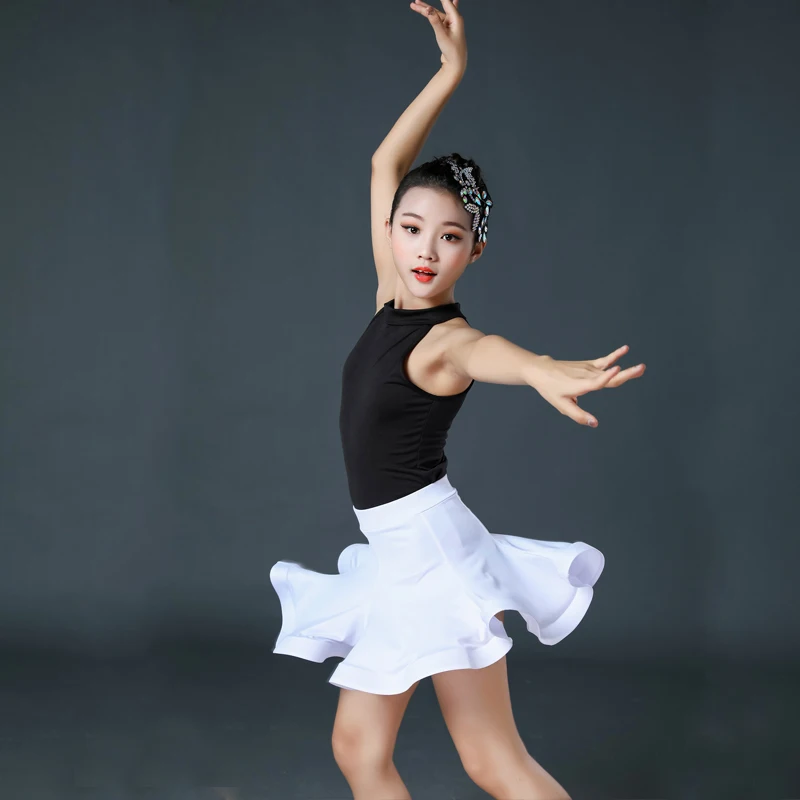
x: 432, y: 202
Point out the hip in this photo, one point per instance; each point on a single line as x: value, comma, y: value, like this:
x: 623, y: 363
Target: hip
x: 425, y: 527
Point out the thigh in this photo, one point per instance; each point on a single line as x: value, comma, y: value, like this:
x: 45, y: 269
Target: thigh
x: 476, y: 706
x: 366, y: 721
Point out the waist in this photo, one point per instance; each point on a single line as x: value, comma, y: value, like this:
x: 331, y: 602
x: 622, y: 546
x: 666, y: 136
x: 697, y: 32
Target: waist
x: 398, y: 511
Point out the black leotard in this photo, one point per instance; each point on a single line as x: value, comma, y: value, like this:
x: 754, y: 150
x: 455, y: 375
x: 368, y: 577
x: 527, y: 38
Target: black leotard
x: 393, y: 432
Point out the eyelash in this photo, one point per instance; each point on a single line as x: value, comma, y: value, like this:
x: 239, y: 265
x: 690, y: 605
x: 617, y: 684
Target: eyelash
x: 406, y: 227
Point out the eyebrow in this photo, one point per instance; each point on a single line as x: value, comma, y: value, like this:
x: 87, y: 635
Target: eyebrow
x: 456, y: 224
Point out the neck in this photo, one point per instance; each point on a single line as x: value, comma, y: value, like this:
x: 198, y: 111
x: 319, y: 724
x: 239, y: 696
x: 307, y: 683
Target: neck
x: 404, y: 299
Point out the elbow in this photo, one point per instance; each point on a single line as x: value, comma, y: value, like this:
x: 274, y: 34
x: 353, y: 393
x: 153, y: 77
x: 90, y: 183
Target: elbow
x: 383, y: 163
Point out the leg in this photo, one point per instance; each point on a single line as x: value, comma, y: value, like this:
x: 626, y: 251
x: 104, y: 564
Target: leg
x: 364, y: 735
x: 476, y: 706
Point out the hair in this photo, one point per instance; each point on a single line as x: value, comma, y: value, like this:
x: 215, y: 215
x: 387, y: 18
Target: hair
x: 438, y: 174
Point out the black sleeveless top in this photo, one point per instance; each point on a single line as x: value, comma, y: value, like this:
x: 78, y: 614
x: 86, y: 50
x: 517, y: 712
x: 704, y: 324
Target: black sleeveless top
x: 393, y: 432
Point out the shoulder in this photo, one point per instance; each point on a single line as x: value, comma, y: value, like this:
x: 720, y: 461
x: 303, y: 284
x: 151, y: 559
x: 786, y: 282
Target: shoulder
x: 456, y: 330
x: 430, y: 363
x: 451, y: 343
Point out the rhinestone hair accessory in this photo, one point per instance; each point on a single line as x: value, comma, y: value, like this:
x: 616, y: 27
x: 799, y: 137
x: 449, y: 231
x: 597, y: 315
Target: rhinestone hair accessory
x: 477, y: 202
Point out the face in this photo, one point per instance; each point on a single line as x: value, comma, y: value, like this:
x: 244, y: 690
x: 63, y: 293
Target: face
x: 432, y: 229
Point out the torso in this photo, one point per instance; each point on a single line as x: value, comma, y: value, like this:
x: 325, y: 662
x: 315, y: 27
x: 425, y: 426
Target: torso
x: 399, y: 398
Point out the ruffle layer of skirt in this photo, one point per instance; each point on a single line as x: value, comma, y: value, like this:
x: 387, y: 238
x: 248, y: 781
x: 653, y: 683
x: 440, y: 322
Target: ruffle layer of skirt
x: 393, y: 632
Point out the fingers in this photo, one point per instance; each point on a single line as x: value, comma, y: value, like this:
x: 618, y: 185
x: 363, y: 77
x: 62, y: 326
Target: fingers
x: 608, y: 360
x: 571, y: 409
x: 607, y: 375
x: 450, y: 9
x: 570, y: 406
x: 592, y: 383
x: 610, y: 378
x: 427, y: 11
x: 607, y: 378
x: 626, y: 375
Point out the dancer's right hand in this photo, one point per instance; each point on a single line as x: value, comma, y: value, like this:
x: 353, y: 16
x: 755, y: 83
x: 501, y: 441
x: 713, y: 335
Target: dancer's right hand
x: 449, y: 29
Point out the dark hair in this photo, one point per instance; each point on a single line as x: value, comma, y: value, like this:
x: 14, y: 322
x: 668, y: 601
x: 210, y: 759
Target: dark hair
x: 438, y: 174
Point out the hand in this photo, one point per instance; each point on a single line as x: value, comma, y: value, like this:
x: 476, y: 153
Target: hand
x: 449, y: 29
x: 562, y: 382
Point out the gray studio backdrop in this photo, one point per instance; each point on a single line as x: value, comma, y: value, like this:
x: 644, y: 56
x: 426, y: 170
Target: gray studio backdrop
x: 186, y: 263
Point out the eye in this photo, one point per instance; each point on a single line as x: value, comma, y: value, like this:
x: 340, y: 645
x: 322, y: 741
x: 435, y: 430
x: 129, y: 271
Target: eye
x: 454, y: 237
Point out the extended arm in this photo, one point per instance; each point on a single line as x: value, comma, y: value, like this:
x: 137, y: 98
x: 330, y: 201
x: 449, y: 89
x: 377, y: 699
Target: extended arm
x: 494, y: 359
x: 490, y: 358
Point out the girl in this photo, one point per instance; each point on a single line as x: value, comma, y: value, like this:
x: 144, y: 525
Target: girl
x: 427, y: 594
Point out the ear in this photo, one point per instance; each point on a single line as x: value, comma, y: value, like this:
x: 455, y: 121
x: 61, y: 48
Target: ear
x: 477, y: 252
x: 388, y: 230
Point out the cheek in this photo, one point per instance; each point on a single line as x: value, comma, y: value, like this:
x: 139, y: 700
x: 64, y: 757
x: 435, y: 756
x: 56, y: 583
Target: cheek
x: 459, y: 252
x: 401, y: 245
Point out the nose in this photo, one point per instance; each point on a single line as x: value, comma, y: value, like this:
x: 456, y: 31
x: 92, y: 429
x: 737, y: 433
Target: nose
x: 426, y: 245
x: 425, y: 251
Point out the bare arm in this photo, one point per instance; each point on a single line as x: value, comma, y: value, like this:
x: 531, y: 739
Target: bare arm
x: 393, y: 159
x: 404, y: 141
x: 492, y: 359
x: 395, y: 155
x: 489, y: 358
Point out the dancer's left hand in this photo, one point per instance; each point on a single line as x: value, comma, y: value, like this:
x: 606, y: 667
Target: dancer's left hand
x: 561, y: 383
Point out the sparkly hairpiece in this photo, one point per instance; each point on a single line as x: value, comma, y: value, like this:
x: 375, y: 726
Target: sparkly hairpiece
x: 475, y: 201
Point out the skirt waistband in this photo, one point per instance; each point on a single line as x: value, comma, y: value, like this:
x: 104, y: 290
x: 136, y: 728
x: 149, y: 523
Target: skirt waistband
x: 398, y: 511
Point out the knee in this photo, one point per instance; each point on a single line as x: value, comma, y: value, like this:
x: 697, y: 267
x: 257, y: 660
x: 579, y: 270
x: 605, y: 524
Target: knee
x: 483, y: 768
x: 506, y: 774
x: 354, y: 751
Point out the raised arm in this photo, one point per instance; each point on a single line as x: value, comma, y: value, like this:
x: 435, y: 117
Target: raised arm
x: 397, y: 152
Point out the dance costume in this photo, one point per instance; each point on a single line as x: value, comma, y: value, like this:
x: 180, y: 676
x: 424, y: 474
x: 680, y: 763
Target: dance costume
x: 421, y: 596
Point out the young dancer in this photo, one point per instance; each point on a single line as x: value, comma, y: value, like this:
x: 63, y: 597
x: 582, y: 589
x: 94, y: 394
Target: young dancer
x: 426, y: 595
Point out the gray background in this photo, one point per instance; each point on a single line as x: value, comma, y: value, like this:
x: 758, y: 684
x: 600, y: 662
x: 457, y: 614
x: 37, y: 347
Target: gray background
x: 186, y: 263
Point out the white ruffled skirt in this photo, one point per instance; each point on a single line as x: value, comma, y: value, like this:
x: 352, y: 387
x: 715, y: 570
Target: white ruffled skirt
x: 420, y: 598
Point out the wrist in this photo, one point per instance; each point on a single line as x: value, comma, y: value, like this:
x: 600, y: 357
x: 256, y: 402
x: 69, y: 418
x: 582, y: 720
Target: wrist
x: 453, y: 71
x: 534, y: 369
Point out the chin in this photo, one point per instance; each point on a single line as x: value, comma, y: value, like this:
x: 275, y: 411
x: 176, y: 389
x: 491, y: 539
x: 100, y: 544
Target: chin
x: 421, y: 290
